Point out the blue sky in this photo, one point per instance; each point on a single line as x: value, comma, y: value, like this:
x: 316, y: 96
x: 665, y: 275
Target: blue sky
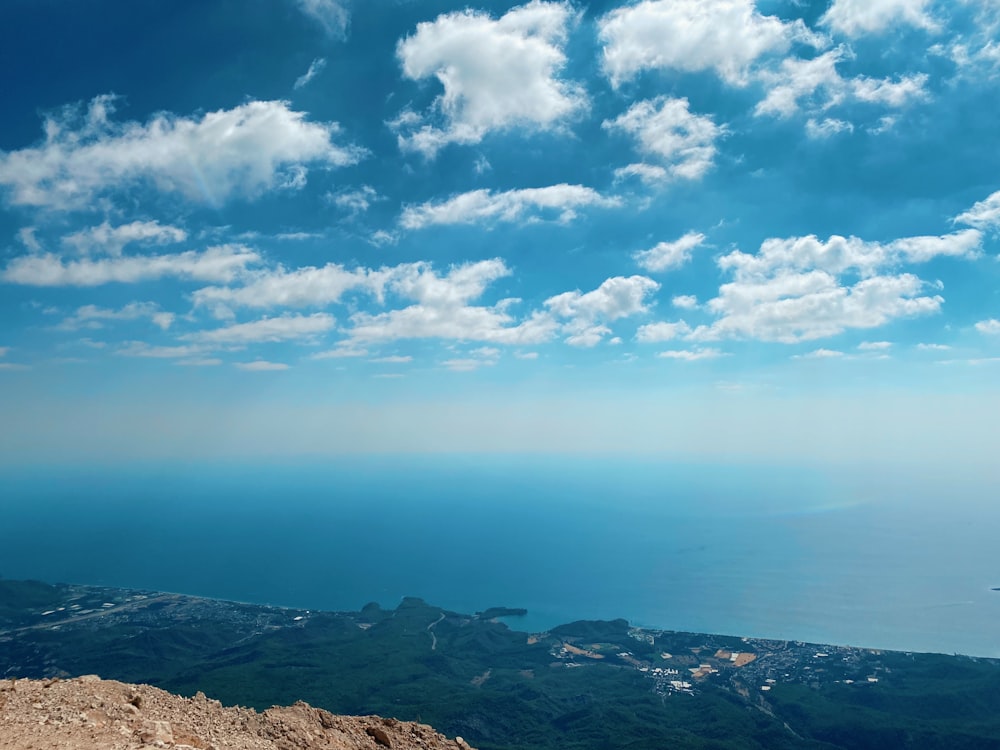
x: 710, y: 228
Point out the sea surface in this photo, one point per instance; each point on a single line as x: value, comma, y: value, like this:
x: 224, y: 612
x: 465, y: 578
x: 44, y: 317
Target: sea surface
x: 816, y: 555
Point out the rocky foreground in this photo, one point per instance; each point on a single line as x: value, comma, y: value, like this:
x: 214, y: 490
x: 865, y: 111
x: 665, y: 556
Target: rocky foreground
x: 89, y: 713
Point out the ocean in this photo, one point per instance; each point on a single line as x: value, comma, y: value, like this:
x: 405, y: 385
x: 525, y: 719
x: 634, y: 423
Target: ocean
x: 799, y: 554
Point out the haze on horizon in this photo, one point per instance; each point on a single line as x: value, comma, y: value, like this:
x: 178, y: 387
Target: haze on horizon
x: 699, y: 229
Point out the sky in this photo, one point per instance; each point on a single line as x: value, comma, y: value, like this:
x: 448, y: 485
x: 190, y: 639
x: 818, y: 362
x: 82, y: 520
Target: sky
x: 723, y: 230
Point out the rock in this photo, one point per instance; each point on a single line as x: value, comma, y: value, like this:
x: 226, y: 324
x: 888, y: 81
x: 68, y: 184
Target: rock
x: 70, y: 718
x: 157, y: 731
x: 379, y: 735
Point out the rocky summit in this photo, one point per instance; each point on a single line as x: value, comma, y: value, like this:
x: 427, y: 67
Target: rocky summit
x: 88, y: 713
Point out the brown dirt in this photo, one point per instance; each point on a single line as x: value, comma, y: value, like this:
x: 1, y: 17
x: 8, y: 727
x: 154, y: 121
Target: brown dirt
x: 88, y: 713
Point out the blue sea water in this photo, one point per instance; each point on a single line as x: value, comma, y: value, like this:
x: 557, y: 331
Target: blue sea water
x: 772, y: 552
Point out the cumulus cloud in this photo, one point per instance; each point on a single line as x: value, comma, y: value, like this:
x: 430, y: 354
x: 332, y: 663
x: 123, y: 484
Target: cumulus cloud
x: 815, y: 85
x: 110, y: 240
x: 244, y: 151
x: 893, y: 93
x: 529, y: 204
x: 983, y: 215
x: 726, y: 36
x: 653, y: 333
x: 266, y: 330
x: 685, y: 302
x: 841, y: 254
x: 443, y: 308
x: 586, y: 314
x: 307, y: 286
x: 332, y: 15
x: 668, y: 255
x: 797, y: 79
x: 991, y: 326
x: 496, y: 74
x: 802, y: 306
x: 801, y: 288
x: 856, y: 18
x: 681, y: 143
x: 92, y: 316
x: 874, y: 346
x: 216, y: 264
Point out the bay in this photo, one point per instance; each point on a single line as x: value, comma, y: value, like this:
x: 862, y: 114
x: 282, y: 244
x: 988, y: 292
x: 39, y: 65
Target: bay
x: 775, y: 552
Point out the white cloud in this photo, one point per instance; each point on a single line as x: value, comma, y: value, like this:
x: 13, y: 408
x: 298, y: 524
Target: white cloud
x: 485, y: 356
x: 691, y: 355
x: 332, y: 15
x: 466, y: 365
x: 800, y: 306
x: 526, y: 355
x: 244, y: 151
x: 726, y: 36
x: 963, y: 244
x: 260, y: 365
x: 891, y: 93
x: 933, y: 347
x: 587, y: 313
x: 816, y: 85
x: 216, y: 264
x: 681, y: 142
x: 270, y: 330
x: 985, y: 214
x: 841, y: 254
x: 27, y: 237
x: 496, y: 74
x: 794, y: 289
x: 991, y: 326
x: 653, y: 333
x: 443, y: 308
x: 142, y: 349
x: 315, y: 68
x: 820, y: 354
x: 92, y: 316
x: 615, y: 298
x: 344, y: 350
x: 855, y: 18
x: 199, y: 362
x: 355, y: 202
x: 528, y: 204
x: 668, y: 255
x: 827, y: 127
x: 874, y: 346
x: 685, y: 302
x: 307, y: 286
x: 797, y: 79
x: 108, y: 240
x: 395, y: 359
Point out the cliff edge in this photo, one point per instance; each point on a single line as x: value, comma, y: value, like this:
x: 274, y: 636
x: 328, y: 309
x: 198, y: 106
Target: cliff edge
x: 88, y: 713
